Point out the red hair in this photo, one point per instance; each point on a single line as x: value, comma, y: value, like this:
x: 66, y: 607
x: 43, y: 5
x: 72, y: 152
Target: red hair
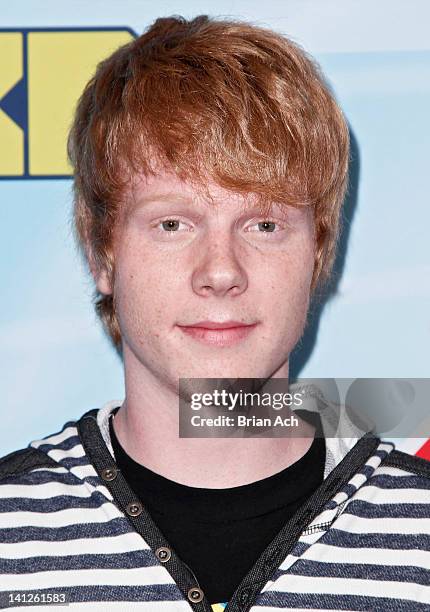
x: 228, y: 100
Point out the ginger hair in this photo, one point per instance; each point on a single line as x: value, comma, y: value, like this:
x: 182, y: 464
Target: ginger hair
x: 205, y: 97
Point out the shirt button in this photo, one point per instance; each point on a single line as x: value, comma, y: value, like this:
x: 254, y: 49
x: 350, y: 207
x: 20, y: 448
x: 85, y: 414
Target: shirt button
x: 134, y: 508
x: 195, y: 595
x: 163, y: 554
x: 109, y: 473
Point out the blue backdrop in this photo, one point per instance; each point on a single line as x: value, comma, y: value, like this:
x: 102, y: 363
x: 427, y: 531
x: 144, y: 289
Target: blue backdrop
x: 55, y: 362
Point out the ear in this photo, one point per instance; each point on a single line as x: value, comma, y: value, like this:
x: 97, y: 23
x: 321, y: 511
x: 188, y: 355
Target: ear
x: 100, y: 275
x: 102, y: 282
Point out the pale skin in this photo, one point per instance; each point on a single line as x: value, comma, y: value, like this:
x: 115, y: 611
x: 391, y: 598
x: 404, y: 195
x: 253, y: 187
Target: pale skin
x: 219, y: 263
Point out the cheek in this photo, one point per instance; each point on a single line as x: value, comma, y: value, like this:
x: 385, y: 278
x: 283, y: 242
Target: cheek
x: 289, y: 286
x: 146, y: 289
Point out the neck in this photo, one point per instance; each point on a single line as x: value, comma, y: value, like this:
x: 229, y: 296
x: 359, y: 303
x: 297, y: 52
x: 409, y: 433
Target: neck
x: 147, y: 426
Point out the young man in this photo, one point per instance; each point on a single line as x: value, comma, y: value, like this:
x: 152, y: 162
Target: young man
x: 210, y: 168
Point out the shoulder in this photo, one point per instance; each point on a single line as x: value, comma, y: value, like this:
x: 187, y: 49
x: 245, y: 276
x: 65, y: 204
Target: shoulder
x: 29, y: 478
x: 407, y: 463
x: 50, y: 475
x: 404, y: 479
x: 23, y: 461
x: 45, y: 459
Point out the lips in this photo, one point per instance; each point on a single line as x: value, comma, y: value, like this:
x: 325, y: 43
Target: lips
x: 216, y: 333
x: 218, y: 324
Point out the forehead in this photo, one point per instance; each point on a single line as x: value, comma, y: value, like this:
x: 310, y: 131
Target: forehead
x: 168, y: 187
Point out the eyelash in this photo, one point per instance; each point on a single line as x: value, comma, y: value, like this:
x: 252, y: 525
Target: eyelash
x: 265, y: 220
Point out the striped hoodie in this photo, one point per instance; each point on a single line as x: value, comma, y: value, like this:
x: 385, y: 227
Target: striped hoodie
x: 72, y: 531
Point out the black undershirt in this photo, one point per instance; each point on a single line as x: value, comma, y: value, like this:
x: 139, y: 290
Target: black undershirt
x: 220, y: 533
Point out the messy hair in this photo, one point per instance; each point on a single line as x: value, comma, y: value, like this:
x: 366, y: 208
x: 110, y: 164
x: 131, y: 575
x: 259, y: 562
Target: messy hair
x: 223, y: 99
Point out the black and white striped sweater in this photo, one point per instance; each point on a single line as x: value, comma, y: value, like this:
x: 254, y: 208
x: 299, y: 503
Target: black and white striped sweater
x: 70, y: 525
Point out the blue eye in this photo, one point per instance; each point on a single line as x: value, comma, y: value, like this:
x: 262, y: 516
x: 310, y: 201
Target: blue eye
x: 269, y: 226
x: 265, y: 227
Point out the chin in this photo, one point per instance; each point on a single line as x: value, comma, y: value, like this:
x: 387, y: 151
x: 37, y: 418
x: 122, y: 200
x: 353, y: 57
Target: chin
x: 227, y: 370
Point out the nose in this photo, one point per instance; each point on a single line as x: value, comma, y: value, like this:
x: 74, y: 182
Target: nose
x: 218, y: 270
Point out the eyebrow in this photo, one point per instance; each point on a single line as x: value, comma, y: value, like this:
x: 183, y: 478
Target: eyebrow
x: 161, y: 198
x: 179, y: 199
x: 185, y: 200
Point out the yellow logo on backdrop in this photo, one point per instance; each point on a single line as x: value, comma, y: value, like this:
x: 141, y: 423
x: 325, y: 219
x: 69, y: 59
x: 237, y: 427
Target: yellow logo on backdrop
x: 42, y: 75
